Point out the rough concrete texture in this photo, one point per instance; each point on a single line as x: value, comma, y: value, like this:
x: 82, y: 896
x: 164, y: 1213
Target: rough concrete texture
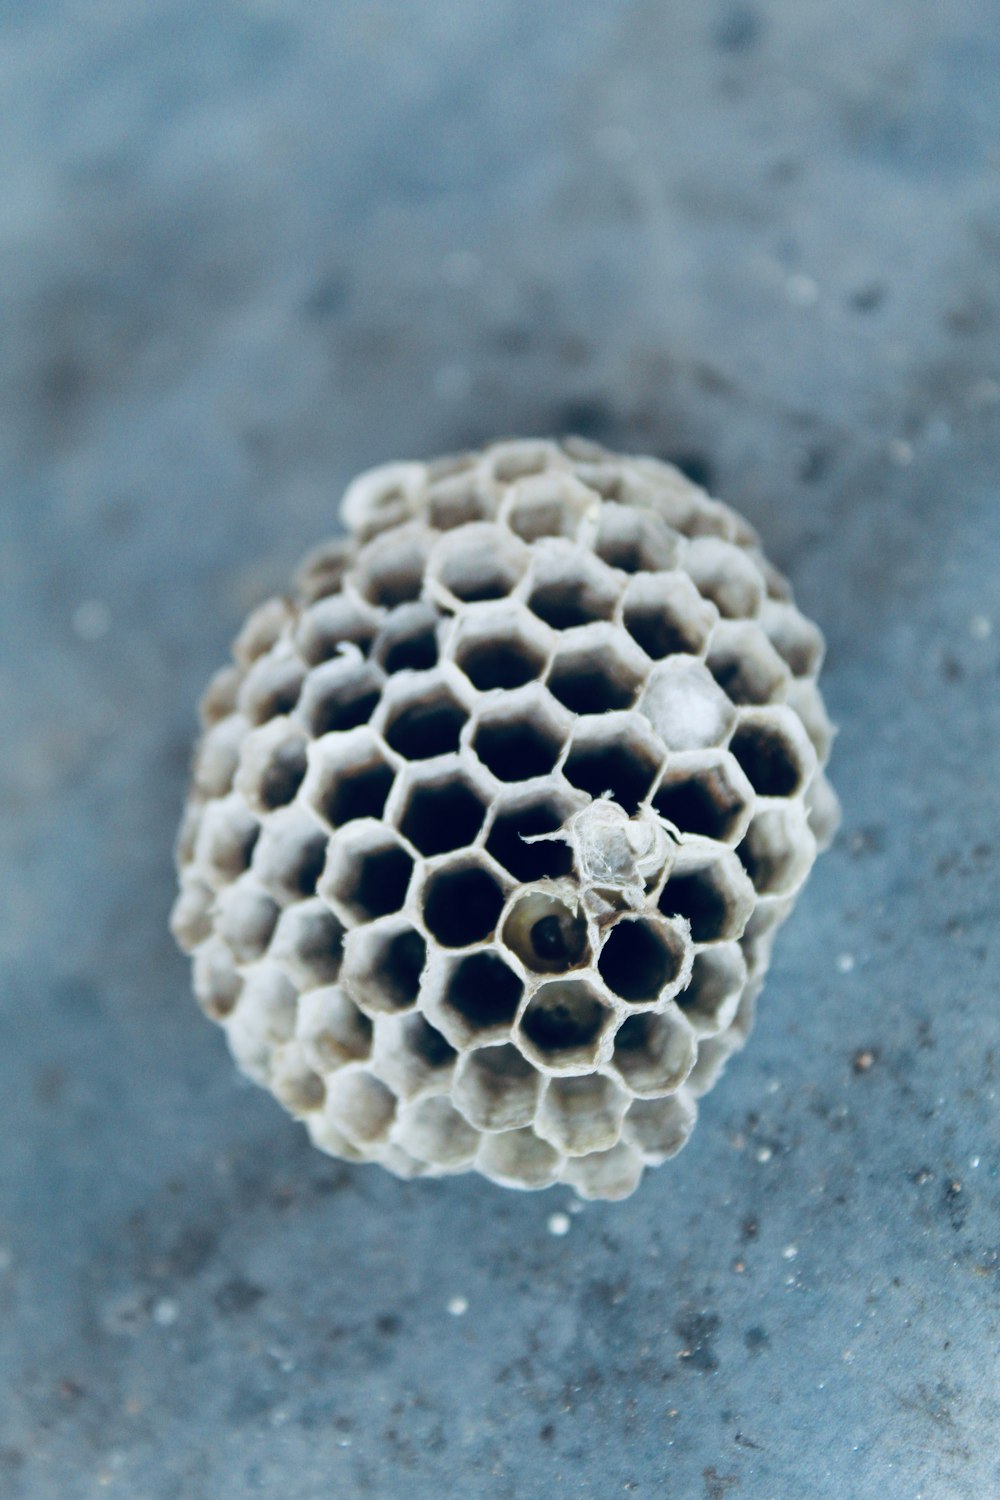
x: 248, y: 250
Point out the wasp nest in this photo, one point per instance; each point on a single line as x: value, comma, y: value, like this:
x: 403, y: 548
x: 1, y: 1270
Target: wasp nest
x: 493, y: 823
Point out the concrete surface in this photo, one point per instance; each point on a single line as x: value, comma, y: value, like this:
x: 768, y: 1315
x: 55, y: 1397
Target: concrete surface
x: 247, y: 249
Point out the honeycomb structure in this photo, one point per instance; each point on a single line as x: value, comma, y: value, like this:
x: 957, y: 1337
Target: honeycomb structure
x: 492, y: 824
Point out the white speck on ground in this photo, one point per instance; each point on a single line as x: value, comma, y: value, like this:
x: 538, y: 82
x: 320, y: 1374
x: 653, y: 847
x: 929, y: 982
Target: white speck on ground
x: 165, y: 1312
x: 559, y: 1223
x: 457, y: 1306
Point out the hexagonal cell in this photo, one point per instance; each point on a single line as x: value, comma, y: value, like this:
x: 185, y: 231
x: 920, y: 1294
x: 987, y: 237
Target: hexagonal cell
x: 804, y: 697
x: 774, y: 751
x: 340, y: 695
x: 654, y: 1053
x: 595, y: 671
x: 523, y: 816
x: 758, y: 935
x: 191, y: 916
x: 382, y: 497
x: 521, y: 736
x: 564, y: 1023
x: 412, y: 1056
x: 271, y: 687
x: 518, y: 1159
x: 226, y: 839
x: 516, y: 458
x: 367, y: 873
x: 615, y: 754
x: 685, y: 705
x: 779, y: 850
x: 658, y: 1128
x: 610, y: 1174
x: 496, y: 1088
x: 547, y: 932
x: 717, y: 979
x: 423, y: 716
x: 476, y: 998
x: 439, y: 810
x: 727, y: 575
x: 262, y: 1021
x: 705, y: 793
x: 823, y: 809
x: 217, y: 983
x: 408, y: 640
x: 390, y: 570
x: 322, y: 570
x: 460, y: 499
x: 548, y: 504
x: 262, y: 629
x: 713, y: 1055
x: 290, y: 855
x: 331, y: 1030
x: 579, y: 1115
x: 665, y: 614
x: 433, y: 1130
x: 634, y: 541
x: 295, y: 1084
x: 350, y: 778
x: 360, y: 1105
x: 745, y: 664
x: 462, y: 901
x: 383, y: 964
x: 218, y: 755
x: 218, y: 700
x: 309, y: 944
x: 711, y: 889
x: 340, y: 620
x: 500, y: 648
x: 570, y: 587
x: 797, y: 640
x: 644, y: 958
x: 478, y: 562
x: 272, y: 765
x: 245, y: 918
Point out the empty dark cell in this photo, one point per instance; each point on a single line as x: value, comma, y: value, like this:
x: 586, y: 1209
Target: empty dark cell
x: 399, y: 585
x: 484, y: 990
x: 659, y: 633
x: 590, y: 687
x: 307, y: 866
x: 462, y: 905
x: 765, y: 863
x: 551, y: 857
x: 401, y: 966
x: 382, y: 878
x: 359, y: 794
x: 344, y: 707
x: 413, y: 653
x: 563, y: 1017
x: 740, y: 680
x: 614, y: 768
x: 636, y: 961
x: 281, y: 699
x: 439, y: 818
x: 320, y: 645
x: 697, y: 897
x: 704, y: 804
x: 423, y: 1041
x: 426, y: 729
x: 516, y: 750
x: 633, y: 1036
x: 321, y: 946
x: 768, y: 759
x: 624, y: 552
x: 283, y: 776
x: 499, y: 664
x: 568, y: 603
x: 239, y: 857
x: 476, y: 586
